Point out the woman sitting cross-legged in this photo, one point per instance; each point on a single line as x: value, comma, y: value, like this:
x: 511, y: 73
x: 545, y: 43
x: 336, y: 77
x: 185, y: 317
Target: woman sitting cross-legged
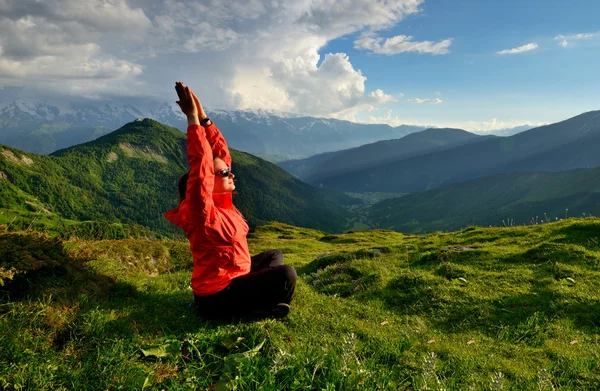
x: 226, y: 280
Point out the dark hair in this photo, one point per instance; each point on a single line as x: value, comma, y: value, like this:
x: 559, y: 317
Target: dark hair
x: 183, y: 186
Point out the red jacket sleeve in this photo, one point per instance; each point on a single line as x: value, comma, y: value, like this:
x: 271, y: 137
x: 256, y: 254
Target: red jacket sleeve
x: 201, y: 178
x: 217, y: 143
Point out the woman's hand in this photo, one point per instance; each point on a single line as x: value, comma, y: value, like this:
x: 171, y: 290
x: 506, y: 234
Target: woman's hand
x: 187, y: 103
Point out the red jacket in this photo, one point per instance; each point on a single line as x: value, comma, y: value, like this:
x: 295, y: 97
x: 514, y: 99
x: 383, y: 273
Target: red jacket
x: 215, y: 228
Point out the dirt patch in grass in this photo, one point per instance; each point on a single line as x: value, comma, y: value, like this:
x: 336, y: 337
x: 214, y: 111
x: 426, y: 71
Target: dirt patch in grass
x: 10, y: 156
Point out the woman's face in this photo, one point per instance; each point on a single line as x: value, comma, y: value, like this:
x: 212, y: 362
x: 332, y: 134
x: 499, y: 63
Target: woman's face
x: 223, y: 184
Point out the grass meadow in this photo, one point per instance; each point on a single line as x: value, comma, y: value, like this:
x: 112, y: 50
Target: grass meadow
x: 514, y: 308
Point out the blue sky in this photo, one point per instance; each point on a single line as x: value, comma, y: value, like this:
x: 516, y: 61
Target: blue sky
x: 347, y: 59
x: 475, y: 83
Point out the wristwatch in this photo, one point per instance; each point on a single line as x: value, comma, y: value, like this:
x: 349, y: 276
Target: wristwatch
x: 204, y: 121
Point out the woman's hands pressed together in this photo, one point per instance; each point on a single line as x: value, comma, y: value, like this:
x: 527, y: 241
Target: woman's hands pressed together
x: 189, y: 103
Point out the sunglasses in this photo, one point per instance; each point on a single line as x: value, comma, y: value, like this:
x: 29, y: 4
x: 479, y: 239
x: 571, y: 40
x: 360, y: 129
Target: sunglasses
x: 224, y: 173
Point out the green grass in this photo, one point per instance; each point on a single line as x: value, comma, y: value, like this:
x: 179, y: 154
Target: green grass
x: 483, y: 308
x: 52, y: 224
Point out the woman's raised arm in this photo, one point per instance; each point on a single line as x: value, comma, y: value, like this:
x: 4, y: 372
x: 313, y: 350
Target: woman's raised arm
x: 201, y: 178
x: 213, y: 135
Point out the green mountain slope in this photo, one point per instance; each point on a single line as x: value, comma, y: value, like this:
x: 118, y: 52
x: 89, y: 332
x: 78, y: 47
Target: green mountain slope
x: 513, y: 198
x: 319, y: 168
x: 480, y: 309
x: 130, y: 176
x: 561, y: 146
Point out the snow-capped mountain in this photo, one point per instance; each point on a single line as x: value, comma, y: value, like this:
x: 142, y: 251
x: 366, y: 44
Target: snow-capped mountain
x: 167, y: 114
x: 43, y: 128
x: 105, y: 114
x: 27, y: 110
x: 22, y: 110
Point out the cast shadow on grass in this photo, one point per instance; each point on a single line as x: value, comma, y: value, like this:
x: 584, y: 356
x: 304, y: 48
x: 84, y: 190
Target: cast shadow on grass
x: 41, y: 266
x: 433, y: 288
x: 340, y: 258
x: 46, y: 273
x: 556, y: 267
x: 583, y: 233
x: 150, y: 314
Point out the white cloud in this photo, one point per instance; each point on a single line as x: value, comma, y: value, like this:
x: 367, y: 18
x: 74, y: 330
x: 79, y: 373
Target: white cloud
x: 472, y: 126
x: 32, y: 27
x: 331, y: 87
x: 565, y: 39
x: 79, y: 66
x: 521, y: 49
x: 60, y: 42
x: 237, y: 54
x: 388, y: 119
x: 494, y: 124
x: 435, y: 101
x: 378, y: 96
x: 400, y: 44
x: 339, y: 17
x: 207, y: 37
x: 366, y: 104
x: 353, y: 113
x: 288, y: 53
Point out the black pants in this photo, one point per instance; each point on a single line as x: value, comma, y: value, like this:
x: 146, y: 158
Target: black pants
x: 269, y: 282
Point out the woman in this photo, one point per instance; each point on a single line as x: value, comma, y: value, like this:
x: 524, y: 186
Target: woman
x: 226, y: 280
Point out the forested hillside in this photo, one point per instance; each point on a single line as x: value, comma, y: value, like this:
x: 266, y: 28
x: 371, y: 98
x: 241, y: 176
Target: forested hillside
x: 499, y: 200
x: 130, y: 176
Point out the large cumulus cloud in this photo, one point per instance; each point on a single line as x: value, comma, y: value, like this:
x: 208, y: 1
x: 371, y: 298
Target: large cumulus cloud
x: 241, y: 54
x: 62, y: 44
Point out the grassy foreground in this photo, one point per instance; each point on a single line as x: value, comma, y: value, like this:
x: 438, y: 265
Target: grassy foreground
x: 484, y: 308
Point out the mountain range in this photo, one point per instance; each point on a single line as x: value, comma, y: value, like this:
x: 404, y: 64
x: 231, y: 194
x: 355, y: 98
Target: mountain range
x: 43, y: 128
x: 319, y: 168
x: 565, y: 145
x: 130, y: 176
